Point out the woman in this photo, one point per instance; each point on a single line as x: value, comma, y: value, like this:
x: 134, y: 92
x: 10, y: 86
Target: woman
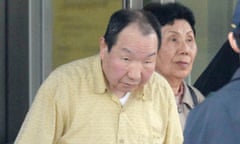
x: 177, y: 53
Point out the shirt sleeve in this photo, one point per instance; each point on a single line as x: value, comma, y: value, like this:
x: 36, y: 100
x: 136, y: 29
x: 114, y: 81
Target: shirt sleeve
x: 40, y: 123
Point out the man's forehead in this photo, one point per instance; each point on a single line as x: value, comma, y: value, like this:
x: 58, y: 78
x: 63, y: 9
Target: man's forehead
x: 135, y: 53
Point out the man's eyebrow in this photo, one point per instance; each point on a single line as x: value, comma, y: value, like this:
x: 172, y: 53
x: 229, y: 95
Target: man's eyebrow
x: 126, y: 50
x: 152, y: 54
x: 129, y: 51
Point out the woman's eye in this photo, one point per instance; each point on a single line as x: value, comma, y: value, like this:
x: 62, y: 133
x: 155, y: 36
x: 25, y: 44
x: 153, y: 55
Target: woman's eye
x: 150, y: 61
x: 173, y: 39
x: 189, y: 40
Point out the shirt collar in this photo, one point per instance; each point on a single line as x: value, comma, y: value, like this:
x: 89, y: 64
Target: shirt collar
x: 187, y: 98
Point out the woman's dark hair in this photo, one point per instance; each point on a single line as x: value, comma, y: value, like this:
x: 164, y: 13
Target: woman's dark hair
x: 168, y: 12
x: 122, y: 18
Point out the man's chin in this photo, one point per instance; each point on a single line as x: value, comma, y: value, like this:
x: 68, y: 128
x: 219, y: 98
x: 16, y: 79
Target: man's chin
x: 130, y: 89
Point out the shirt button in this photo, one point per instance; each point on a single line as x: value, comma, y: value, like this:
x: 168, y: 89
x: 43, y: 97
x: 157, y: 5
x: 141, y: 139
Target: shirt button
x: 121, y: 141
x: 144, y: 98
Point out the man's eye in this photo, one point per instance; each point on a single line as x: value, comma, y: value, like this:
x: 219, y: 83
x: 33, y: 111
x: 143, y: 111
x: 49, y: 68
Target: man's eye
x: 125, y: 59
x: 147, y: 62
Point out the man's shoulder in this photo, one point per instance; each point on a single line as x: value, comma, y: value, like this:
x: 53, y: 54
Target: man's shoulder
x: 75, y: 69
x: 157, y: 84
x: 158, y: 79
x: 78, y: 65
x: 79, y: 62
x: 215, y: 101
x: 228, y: 92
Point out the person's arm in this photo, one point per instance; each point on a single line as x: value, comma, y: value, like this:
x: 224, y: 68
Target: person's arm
x: 39, y: 125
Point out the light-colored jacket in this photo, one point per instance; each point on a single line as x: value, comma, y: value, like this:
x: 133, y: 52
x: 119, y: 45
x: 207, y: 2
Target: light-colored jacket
x: 188, y: 103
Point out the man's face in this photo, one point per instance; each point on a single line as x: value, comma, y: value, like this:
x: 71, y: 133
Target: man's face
x: 177, y: 52
x: 131, y: 61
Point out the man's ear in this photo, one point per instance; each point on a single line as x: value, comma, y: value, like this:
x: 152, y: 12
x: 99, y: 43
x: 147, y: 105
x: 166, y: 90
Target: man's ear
x: 103, y: 46
x: 233, y: 42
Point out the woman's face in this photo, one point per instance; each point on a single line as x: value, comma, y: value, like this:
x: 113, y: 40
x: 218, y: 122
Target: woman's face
x: 178, y: 50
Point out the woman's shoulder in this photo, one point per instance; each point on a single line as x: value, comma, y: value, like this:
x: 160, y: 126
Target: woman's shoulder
x: 198, y: 94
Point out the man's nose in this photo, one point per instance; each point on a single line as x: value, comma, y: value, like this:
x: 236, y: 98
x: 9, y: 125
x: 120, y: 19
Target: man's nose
x: 134, y: 71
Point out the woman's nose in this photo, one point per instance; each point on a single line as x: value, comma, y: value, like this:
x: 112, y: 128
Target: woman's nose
x: 184, y: 48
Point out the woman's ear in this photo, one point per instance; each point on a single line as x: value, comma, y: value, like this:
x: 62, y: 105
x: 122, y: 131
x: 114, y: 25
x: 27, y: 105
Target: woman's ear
x: 233, y: 42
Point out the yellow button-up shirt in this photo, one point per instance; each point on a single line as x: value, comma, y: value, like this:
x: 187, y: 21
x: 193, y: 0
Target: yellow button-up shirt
x: 73, y: 106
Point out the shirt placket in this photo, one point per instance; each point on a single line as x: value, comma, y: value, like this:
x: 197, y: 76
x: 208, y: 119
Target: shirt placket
x: 122, y: 127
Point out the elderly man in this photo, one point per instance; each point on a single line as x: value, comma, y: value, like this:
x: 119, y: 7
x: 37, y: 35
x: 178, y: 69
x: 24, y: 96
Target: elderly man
x: 113, y: 97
